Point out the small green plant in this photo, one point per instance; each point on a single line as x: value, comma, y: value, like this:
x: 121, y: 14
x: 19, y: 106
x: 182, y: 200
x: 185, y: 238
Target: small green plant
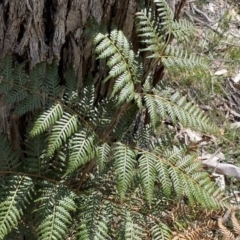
x: 95, y: 169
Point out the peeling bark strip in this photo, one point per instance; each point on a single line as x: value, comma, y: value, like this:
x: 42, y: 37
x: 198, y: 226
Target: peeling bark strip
x: 47, y: 30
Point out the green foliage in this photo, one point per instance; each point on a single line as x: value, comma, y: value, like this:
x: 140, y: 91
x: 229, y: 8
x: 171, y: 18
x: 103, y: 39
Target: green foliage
x: 95, y: 168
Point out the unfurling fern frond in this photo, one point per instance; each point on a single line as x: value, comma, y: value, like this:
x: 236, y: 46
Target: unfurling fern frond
x: 15, y: 194
x: 121, y: 61
x: 56, y: 204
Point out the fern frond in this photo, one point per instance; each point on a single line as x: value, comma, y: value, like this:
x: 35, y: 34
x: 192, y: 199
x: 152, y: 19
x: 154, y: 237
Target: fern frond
x: 31, y: 103
x: 177, y: 59
x: 35, y: 160
x: 7, y: 75
x: 54, y: 212
x: 227, y: 234
x: 183, y: 30
x: 52, y: 81
x: 125, y: 160
x: 9, y: 159
x: 149, y: 33
x: 103, y: 152
x: 166, y: 15
x: 64, y: 128
x: 186, y: 178
x: 81, y: 150
x: 46, y: 119
x: 15, y: 193
x: 161, y: 232
x: 176, y: 107
x: 71, y: 85
x: 132, y: 230
x: 95, y: 220
x: 121, y: 61
x: 147, y: 164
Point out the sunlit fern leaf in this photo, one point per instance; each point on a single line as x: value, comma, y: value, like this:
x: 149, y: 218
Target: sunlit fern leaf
x: 9, y: 159
x: 103, y: 152
x: 55, y: 205
x: 64, y: 128
x: 7, y: 75
x: 52, y: 80
x: 125, y: 159
x: 186, y: 178
x: 183, y: 30
x: 147, y: 162
x: 15, y: 193
x: 161, y: 232
x: 46, y: 119
x: 121, y: 60
x: 132, y: 230
x: 149, y: 33
x: 178, y: 59
x: 189, y: 115
x: 81, y: 150
x: 166, y: 15
x: 86, y: 101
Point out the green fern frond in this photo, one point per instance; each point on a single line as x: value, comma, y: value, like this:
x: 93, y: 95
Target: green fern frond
x: 36, y: 160
x: 64, y: 128
x: 161, y: 232
x: 81, y: 150
x: 166, y: 15
x: 132, y: 230
x: 149, y: 33
x: 147, y: 164
x: 121, y: 61
x: 176, y: 107
x: 6, y: 81
x: 18, y: 91
x: 95, y: 219
x: 9, y: 159
x: 183, y: 30
x: 125, y: 160
x: 186, y: 177
x: 103, y: 152
x: 52, y: 81
x: 177, y: 58
x: 46, y: 119
x: 71, y: 85
x: 31, y: 103
x: 56, y: 204
x: 15, y: 193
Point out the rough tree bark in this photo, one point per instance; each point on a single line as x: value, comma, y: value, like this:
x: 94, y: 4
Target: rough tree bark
x: 54, y: 30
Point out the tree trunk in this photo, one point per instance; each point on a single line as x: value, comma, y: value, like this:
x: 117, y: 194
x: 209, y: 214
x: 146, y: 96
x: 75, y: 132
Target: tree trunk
x: 58, y: 30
